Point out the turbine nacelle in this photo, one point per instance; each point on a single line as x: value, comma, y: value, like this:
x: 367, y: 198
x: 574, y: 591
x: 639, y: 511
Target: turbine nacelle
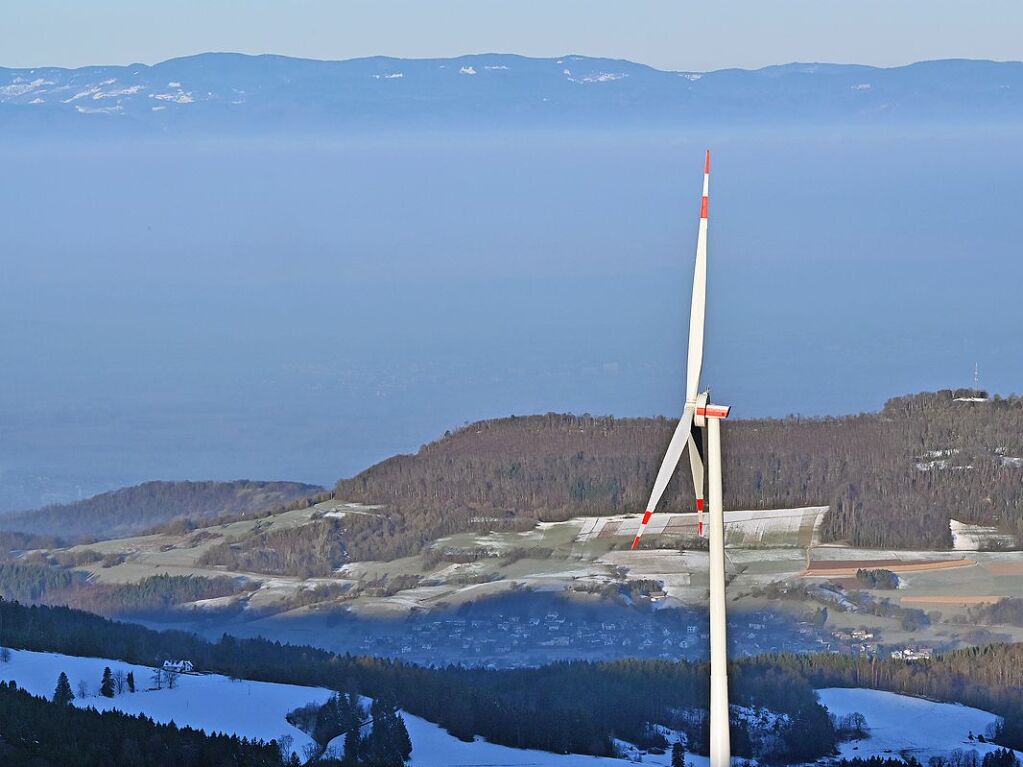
x: 710, y: 411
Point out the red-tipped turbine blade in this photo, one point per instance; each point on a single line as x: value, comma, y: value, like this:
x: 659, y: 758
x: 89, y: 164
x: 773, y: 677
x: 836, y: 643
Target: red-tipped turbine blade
x: 642, y: 527
x: 671, y: 458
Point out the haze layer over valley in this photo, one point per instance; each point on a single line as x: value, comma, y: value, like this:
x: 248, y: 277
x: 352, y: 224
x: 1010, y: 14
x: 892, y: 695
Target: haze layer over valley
x: 298, y: 308
x: 505, y: 543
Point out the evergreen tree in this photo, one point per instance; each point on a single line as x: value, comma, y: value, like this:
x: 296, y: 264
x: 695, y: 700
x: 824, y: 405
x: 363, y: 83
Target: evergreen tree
x: 351, y: 716
x: 63, y: 694
x: 353, y: 747
x: 388, y: 744
x: 678, y: 754
x: 1003, y: 757
x: 402, y: 739
x: 131, y: 681
x: 106, y: 687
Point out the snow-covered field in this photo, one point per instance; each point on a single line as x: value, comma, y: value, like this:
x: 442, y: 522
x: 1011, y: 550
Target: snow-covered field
x: 977, y: 537
x: 257, y: 709
x: 433, y: 747
x: 900, y: 723
x: 208, y: 701
x: 777, y: 526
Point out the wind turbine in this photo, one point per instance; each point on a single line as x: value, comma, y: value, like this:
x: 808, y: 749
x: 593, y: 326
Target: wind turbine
x: 698, y: 415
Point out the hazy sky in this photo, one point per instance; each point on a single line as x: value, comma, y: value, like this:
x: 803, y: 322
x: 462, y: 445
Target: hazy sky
x: 671, y: 34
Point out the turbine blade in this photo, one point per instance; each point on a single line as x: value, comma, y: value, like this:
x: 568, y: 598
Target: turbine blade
x: 671, y: 458
x: 694, y: 364
x: 696, y: 464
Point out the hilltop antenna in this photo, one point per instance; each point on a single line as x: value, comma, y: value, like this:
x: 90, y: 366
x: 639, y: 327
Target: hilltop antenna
x: 976, y: 377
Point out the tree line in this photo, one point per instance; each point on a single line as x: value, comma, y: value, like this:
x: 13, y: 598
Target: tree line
x: 374, y: 738
x: 308, y: 551
x: 1005, y: 612
x: 152, y: 596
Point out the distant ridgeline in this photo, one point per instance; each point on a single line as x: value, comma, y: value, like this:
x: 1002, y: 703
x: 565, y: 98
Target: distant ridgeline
x: 566, y: 707
x: 893, y: 478
x: 237, y: 94
x: 131, y: 510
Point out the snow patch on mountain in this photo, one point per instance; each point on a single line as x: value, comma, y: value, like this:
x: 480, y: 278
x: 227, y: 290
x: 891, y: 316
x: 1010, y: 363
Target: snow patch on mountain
x: 120, y: 92
x: 19, y: 86
x: 83, y: 94
x: 604, y: 77
x: 181, y: 97
x: 599, y: 77
x: 97, y: 110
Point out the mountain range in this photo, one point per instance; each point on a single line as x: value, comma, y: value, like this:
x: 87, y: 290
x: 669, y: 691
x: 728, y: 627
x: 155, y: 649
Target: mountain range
x: 229, y: 92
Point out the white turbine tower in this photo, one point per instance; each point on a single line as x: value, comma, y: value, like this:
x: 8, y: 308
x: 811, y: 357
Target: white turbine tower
x: 698, y: 414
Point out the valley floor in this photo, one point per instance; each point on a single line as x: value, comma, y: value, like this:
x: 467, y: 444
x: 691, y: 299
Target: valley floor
x: 584, y: 558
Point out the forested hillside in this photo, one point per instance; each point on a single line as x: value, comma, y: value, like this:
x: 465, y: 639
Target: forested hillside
x: 131, y: 510
x: 921, y: 461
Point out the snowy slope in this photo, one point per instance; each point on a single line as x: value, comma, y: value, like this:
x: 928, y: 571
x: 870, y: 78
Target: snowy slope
x: 208, y: 701
x: 257, y: 709
x: 432, y: 746
x: 901, y: 723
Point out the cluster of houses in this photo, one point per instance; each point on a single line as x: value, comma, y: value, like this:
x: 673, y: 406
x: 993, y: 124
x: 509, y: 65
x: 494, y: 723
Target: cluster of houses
x: 860, y: 641
x: 913, y: 653
x: 517, y: 640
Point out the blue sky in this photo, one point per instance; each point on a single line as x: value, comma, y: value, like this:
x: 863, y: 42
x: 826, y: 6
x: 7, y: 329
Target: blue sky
x: 671, y: 34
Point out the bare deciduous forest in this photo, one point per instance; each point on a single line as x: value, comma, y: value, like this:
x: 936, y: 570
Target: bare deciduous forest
x: 893, y: 478
x: 131, y: 510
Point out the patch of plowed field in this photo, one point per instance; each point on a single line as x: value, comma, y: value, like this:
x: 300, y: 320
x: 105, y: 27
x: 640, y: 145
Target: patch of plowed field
x: 1004, y: 568
x: 950, y: 599
x: 846, y: 568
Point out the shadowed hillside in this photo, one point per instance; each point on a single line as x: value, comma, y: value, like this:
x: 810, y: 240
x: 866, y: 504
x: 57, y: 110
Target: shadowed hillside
x: 893, y: 478
x: 131, y: 510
